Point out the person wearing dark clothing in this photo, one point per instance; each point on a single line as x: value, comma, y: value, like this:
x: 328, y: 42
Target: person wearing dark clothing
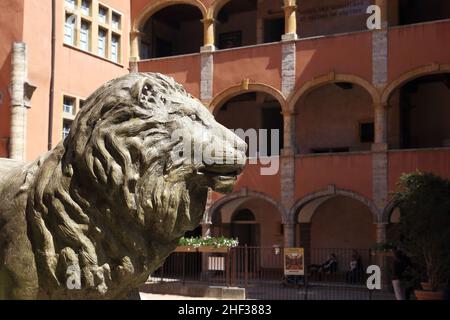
x: 356, y: 271
x: 329, y: 266
x: 400, y: 265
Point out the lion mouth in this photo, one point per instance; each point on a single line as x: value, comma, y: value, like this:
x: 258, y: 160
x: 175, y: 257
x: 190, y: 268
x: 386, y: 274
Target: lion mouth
x: 220, y: 178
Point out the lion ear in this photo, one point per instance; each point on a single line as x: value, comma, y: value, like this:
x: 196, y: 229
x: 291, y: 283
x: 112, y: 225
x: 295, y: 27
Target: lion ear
x: 142, y: 90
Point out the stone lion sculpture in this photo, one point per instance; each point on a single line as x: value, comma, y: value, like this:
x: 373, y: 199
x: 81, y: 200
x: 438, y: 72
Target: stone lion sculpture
x: 92, y: 218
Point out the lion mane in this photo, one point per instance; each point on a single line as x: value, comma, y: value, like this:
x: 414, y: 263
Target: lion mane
x: 108, y: 203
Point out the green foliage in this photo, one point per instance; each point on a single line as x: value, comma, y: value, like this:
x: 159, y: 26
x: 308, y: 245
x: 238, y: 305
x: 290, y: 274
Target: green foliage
x: 424, y: 202
x: 385, y: 246
x: 219, y: 242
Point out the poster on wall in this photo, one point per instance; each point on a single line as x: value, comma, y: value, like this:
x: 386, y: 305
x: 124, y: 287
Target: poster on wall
x: 294, y: 262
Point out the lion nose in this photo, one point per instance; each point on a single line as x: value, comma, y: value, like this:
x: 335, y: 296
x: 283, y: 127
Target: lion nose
x: 235, y: 149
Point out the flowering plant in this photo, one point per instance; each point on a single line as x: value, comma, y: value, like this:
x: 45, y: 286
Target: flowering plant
x: 208, y: 241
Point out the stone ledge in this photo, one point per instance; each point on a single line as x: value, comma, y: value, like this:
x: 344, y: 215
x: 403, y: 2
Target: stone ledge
x: 194, y: 290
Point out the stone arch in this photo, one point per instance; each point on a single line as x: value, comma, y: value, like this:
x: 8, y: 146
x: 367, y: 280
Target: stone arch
x: 332, y: 77
x: 157, y: 5
x: 430, y: 69
x: 244, y: 193
x: 215, y: 8
x: 331, y: 192
x: 387, y: 212
x: 233, y: 91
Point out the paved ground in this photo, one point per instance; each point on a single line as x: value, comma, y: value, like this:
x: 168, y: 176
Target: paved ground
x: 151, y: 296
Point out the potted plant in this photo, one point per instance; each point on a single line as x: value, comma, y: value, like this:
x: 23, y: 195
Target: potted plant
x: 384, y: 249
x: 424, y: 202
x: 206, y: 244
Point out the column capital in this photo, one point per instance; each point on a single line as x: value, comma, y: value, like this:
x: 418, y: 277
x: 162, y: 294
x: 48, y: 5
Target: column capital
x: 287, y: 37
x: 381, y: 105
x: 288, y: 113
x: 207, y: 48
x: 208, y: 20
x: 136, y: 33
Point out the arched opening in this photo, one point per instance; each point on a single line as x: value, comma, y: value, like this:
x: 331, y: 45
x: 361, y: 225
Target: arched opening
x: 171, y: 31
x: 255, y: 213
x: 417, y: 11
x: 335, y: 224
x: 335, y: 117
x: 419, y: 113
x: 251, y: 112
x: 248, y: 22
x: 244, y: 227
x: 316, y: 18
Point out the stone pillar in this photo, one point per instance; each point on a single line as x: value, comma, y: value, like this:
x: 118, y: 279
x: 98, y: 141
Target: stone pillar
x: 380, y: 48
x: 380, y: 112
x: 208, y: 34
x: 288, y: 62
x: 135, y: 38
x: 206, y: 76
x: 18, y: 108
x: 380, y: 176
x: 381, y: 232
x: 289, y: 130
x: 206, y: 229
x: 289, y: 235
x: 290, y: 18
x: 379, y: 80
x: 287, y: 180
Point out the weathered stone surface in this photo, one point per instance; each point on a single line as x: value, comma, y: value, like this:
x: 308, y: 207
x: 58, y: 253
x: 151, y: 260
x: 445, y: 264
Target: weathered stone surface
x: 109, y: 201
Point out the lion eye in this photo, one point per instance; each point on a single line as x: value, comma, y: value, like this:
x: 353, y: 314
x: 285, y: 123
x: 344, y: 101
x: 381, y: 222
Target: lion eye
x: 194, y: 117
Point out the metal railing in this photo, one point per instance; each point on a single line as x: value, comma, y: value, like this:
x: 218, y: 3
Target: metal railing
x: 260, y: 270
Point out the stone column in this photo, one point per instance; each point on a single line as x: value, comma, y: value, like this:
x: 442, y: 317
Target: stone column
x: 206, y: 76
x: 289, y: 130
x: 289, y: 235
x: 379, y: 80
x: 380, y: 113
x: 208, y: 34
x: 381, y: 232
x: 290, y: 18
x: 206, y: 231
x: 135, y: 40
x: 287, y: 180
x: 18, y: 108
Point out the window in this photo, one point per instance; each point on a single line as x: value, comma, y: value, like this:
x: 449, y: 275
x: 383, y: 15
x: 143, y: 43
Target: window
x: 69, y: 105
x: 115, y: 21
x: 367, y: 132
x: 102, y: 36
x: 69, y: 30
x: 70, y: 4
x: 102, y: 14
x: 66, y: 128
x: 115, y: 48
x: 86, y: 7
x: 85, y: 35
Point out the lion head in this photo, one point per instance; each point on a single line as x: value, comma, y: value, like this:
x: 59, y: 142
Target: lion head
x: 118, y: 193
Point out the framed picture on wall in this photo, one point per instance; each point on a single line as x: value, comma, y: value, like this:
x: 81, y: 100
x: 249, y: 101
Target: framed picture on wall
x: 230, y: 40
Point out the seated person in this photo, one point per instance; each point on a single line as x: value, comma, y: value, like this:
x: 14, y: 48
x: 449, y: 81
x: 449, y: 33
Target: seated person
x: 329, y: 266
x: 356, y: 269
